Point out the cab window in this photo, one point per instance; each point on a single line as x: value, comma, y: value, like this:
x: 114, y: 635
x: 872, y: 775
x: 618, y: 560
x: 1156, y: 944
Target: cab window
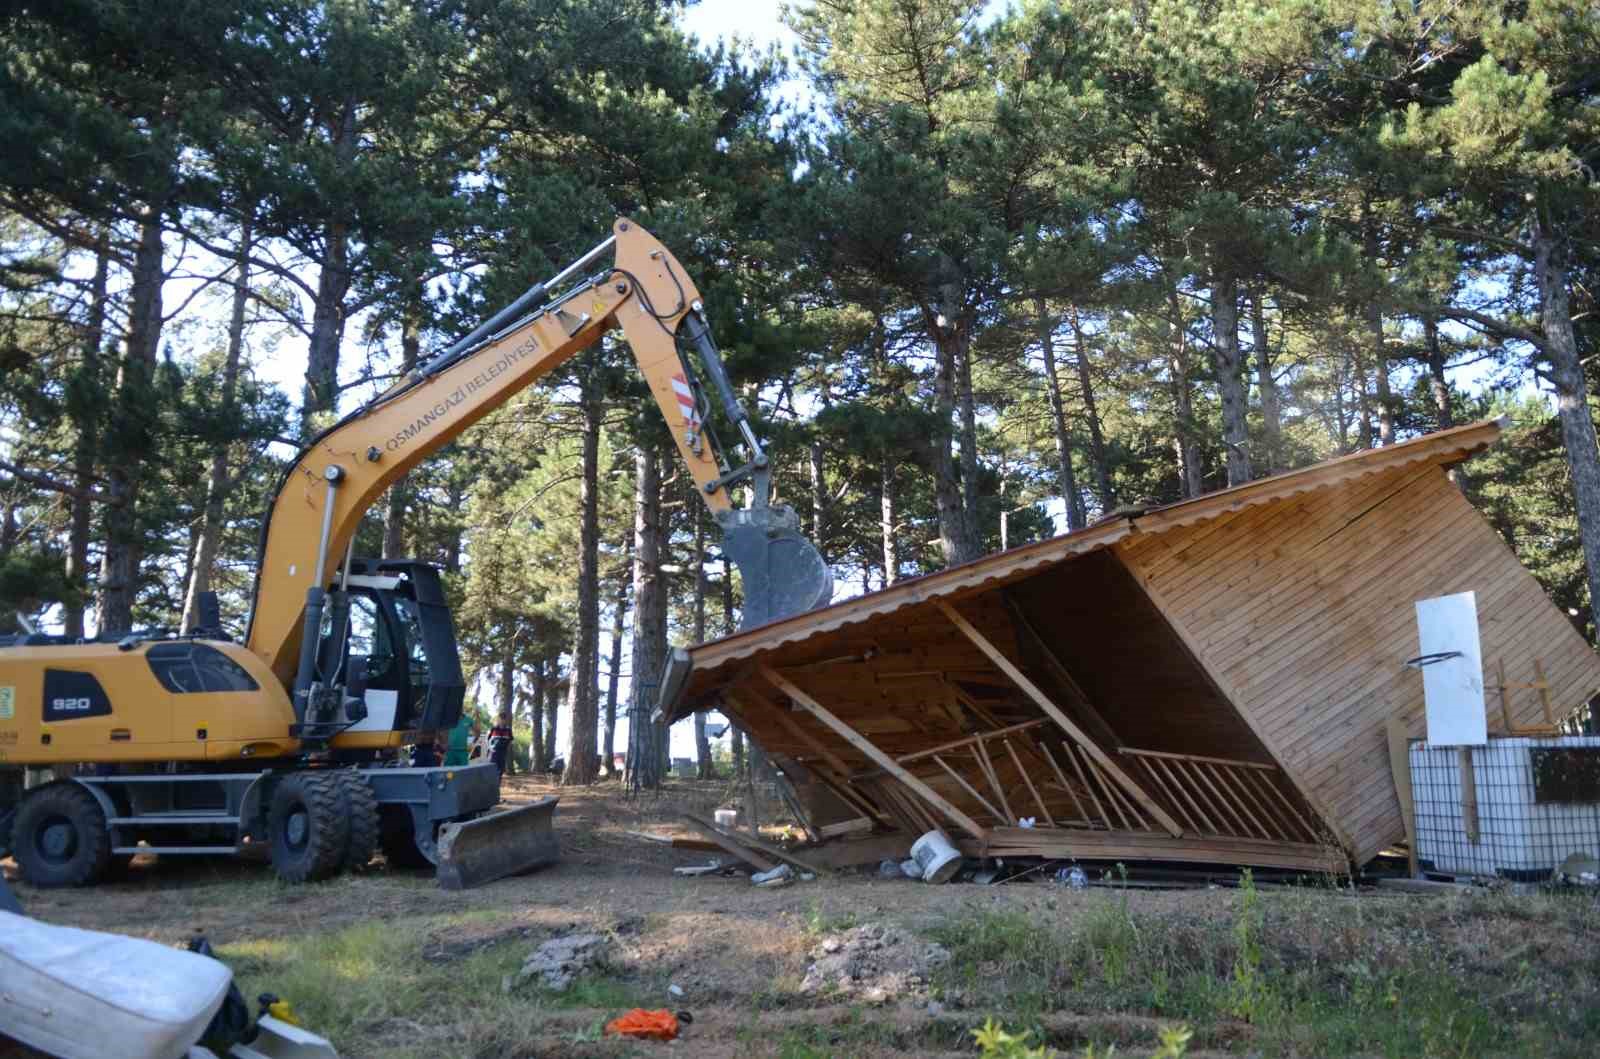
x: 417, y: 653
x: 189, y: 668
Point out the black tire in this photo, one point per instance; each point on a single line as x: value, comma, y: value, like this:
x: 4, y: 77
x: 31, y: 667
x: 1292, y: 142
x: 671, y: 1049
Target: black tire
x: 362, y: 808
x: 307, y: 826
x: 399, y: 839
x: 7, y: 816
x: 60, y: 836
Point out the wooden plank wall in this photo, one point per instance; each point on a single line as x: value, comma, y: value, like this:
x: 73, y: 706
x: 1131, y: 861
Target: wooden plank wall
x: 1302, y: 610
x: 1130, y: 664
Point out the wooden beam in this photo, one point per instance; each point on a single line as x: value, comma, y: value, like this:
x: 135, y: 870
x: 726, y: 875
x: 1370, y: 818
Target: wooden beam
x: 1231, y: 762
x: 1059, y: 670
x: 979, y: 737
x: 866, y: 746
x: 835, y: 776
x: 970, y: 789
x: 1543, y: 687
x: 1245, y: 801
x: 986, y: 766
x: 1050, y: 710
x: 1094, y: 796
x: 1017, y: 761
x: 805, y: 738
x: 1224, y: 805
x: 1284, y: 800
x: 1154, y: 845
x: 1111, y: 794
x: 1150, y: 769
x: 1178, y: 785
x: 1400, y: 769
x: 705, y: 826
x: 845, y: 827
x: 1077, y: 803
x: 1469, y: 795
x: 738, y: 847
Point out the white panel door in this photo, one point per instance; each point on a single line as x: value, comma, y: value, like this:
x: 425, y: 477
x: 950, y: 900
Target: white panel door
x: 1452, y: 687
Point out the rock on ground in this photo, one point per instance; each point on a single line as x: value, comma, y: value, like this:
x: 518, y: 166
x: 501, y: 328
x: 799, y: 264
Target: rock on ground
x: 874, y: 963
x: 558, y: 961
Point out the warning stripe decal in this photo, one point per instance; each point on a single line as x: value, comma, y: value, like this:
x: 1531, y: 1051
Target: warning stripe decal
x: 680, y: 389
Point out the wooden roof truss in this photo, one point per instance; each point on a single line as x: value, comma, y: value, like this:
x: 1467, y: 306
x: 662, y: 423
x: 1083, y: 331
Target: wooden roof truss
x: 1081, y: 793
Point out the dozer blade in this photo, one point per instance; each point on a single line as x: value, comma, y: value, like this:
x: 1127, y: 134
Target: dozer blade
x: 783, y: 573
x: 497, y: 845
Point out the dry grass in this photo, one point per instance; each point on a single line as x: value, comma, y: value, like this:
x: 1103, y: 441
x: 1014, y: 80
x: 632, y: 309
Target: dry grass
x: 388, y: 966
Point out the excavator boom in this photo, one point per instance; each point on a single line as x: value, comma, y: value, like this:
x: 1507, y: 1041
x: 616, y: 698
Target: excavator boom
x: 645, y: 292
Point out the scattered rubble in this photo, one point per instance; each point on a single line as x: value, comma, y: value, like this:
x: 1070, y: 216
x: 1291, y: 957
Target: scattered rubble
x: 873, y: 963
x: 782, y: 875
x: 558, y: 961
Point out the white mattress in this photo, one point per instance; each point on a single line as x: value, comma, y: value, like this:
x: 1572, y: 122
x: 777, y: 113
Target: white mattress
x: 80, y: 994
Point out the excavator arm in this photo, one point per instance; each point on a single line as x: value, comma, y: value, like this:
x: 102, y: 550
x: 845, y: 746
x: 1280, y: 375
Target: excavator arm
x: 644, y: 291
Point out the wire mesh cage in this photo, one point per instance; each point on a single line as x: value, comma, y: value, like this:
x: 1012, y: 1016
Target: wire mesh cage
x: 1516, y: 808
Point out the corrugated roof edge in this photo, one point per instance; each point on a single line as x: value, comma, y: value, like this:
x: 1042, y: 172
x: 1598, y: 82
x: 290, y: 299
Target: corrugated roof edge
x: 1444, y: 447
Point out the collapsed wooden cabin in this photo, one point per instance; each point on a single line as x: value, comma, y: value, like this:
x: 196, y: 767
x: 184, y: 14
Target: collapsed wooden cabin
x: 1208, y: 681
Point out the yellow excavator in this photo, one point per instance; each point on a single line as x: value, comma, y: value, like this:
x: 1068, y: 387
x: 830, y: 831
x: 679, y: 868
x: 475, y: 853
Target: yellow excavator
x: 200, y: 745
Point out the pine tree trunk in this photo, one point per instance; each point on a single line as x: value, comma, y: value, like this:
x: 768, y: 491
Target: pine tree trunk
x: 608, y: 733
x: 585, y: 716
x: 956, y: 538
x: 1439, y: 386
x: 702, y: 744
x: 536, y: 741
x: 1183, y: 433
x: 891, y: 552
x: 394, y: 511
x: 756, y: 774
x: 506, y: 690
x: 1097, y: 440
x: 819, y: 495
x: 1358, y: 370
x: 1380, y: 362
x: 84, y: 455
x: 218, y: 484
x: 1271, y: 414
x: 649, y: 624
x: 1572, y: 405
x: 321, y: 394
x: 969, y: 450
x: 129, y: 443
x: 1066, y: 481
x: 1438, y: 382
x: 552, y: 706
x: 1380, y: 350
x: 1230, y: 377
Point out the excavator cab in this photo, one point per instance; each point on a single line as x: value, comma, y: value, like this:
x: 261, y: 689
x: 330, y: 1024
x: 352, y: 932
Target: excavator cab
x: 392, y: 644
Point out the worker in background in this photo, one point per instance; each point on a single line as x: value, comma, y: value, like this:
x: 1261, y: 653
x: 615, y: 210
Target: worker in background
x: 458, y: 750
x: 500, y: 742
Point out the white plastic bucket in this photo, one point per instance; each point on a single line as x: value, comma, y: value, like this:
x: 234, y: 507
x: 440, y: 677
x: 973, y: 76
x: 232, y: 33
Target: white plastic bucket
x: 939, y: 859
x: 727, y: 817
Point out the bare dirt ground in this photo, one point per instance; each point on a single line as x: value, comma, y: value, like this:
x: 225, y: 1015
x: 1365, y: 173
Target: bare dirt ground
x: 388, y: 965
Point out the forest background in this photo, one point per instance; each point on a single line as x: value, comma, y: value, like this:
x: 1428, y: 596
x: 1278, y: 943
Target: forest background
x: 984, y: 273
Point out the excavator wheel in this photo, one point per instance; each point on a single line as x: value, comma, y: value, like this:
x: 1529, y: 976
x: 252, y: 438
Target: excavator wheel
x: 308, y: 827
x: 60, y: 837
x: 362, y: 809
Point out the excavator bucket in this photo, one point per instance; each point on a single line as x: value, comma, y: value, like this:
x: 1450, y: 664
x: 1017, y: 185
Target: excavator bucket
x: 497, y: 845
x: 783, y: 573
